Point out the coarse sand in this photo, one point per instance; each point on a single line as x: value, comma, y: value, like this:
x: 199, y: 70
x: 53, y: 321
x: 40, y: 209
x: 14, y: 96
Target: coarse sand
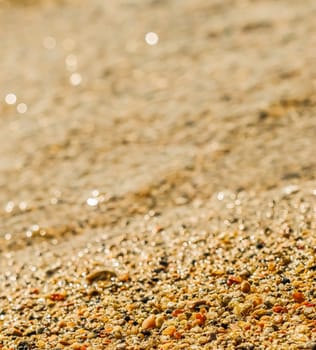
x: 157, y: 174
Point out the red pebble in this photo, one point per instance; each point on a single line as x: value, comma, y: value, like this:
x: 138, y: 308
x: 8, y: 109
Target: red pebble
x: 298, y: 297
x: 57, y: 297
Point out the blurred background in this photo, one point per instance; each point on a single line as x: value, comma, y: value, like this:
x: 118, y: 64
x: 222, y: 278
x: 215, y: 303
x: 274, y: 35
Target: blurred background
x: 109, y: 109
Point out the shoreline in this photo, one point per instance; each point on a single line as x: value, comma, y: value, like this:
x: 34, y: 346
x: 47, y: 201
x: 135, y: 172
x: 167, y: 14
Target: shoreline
x: 158, y: 193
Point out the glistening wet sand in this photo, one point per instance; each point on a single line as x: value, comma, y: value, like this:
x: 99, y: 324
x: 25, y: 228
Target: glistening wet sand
x: 158, y: 196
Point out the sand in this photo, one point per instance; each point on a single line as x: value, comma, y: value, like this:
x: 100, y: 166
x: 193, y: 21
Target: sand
x: 157, y: 196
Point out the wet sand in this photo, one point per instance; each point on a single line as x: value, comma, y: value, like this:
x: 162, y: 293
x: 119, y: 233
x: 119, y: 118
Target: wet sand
x: 158, y: 196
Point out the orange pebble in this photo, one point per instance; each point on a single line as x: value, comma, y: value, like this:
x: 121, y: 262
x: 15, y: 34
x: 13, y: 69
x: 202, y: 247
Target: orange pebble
x: 177, y: 335
x: 279, y: 309
x: 200, y: 318
x: 149, y: 322
x: 177, y: 312
x: 234, y: 279
x: 57, y: 297
x: 169, y: 330
x: 298, y: 297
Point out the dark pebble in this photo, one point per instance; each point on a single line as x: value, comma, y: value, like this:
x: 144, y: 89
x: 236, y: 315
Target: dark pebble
x: 40, y: 330
x: 145, y: 299
x: 285, y: 280
x: 159, y: 269
x: 163, y: 263
x: 238, y: 340
x: 224, y: 325
x: 213, y: 336
x: 23, y: 345
x: 260, y: 245
x: 146, y: 332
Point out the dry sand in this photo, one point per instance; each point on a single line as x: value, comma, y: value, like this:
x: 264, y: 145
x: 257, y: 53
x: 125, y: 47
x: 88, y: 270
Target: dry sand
x: 158, y: 196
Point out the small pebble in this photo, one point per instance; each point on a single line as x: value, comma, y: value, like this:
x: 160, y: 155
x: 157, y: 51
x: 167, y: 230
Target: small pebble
x: 245, y: 287
x: 170, y: 330
x: 103, y: 275
x: 298, y: 297
x: 149, y: 322
x: 159, y: 321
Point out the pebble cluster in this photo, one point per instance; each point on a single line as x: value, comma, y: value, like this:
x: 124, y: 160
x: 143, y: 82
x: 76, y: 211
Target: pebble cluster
x: 172, y: 283
x: 157, y: 175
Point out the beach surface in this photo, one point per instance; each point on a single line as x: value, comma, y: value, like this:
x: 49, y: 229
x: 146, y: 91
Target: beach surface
x: 158, y: 174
